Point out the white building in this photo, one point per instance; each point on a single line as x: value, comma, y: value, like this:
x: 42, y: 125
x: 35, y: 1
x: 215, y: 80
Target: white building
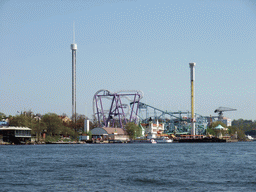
x: 152, y: 130
x: 227, y: 121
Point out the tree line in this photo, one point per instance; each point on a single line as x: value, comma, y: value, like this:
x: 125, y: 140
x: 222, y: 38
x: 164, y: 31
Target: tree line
x: 240, y: 127
x: 51, y: 124
x: 248, y: 126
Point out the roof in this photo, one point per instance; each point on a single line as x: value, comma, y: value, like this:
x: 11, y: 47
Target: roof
x: 219, y: 127
x: 107, y: 130
x: 112, y: 130
x: 14, y: 128
x: 226, y: 118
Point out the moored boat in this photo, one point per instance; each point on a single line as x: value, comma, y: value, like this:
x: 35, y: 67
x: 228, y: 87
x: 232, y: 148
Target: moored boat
x: 144, y: 141
x: 250, y: 138
x: 163, y: 140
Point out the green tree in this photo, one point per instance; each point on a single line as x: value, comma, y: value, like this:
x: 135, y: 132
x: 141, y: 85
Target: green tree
x: 245, y: 125
x: 210, y: 130
x: 21, y: 121
x: 235, y: 130
x: 133, y: 130
x: 52, y: 123
x: 37, y: 126
x: 2, y: 116
x: 66, y: 131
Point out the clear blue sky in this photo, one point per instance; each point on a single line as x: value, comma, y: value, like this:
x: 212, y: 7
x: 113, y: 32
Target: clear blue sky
x: 128, y: 45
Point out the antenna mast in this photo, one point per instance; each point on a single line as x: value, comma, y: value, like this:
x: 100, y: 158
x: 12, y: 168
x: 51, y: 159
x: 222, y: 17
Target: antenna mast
x: 74, y: 38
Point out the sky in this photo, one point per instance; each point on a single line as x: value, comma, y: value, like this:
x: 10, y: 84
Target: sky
x: 142, y: 45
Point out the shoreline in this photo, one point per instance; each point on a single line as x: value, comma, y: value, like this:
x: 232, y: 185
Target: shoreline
x: 81, y: 143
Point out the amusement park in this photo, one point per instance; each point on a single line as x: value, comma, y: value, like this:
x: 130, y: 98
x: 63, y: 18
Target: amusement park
x: 113, y: 111
x: 116, y: 110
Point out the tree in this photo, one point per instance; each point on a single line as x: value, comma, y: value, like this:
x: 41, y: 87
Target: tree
x: 2, y: 116
x: 38, y: 126
x: 235, y: 130
x: 133, y: 130
x: 53, y: 123
x: 94, y: 123
x: 21, y: 121
x: 210, y: 130
x: 80, y: 123
x: 66, y: 131
x: 245, y: 125
x: 252, y: 133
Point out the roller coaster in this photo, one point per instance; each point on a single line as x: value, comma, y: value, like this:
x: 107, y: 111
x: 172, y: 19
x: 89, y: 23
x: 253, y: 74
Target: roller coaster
x: 119, y: 108
x: 175, y: 122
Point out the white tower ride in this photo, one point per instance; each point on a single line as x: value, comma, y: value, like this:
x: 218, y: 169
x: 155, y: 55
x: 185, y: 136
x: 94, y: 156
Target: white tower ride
x: 74, y: 48
x: 192, y: 78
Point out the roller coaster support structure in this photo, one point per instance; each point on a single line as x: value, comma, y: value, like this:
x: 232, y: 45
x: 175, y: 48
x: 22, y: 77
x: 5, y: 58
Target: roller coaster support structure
x: 118, y: 110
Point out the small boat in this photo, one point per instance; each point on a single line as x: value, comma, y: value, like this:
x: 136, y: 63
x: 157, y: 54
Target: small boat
x: 163, y: 140
x: 250, y: 137
x: 144, y: 141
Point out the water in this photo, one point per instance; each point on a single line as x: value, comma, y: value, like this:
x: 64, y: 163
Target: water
x: 129, y: 167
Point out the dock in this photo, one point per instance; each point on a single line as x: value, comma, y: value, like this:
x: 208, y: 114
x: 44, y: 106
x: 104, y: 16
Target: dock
x: 202, y: 139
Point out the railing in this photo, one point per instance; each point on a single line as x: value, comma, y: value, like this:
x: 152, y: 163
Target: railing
x: 22, y: 133
x: 191, y: 136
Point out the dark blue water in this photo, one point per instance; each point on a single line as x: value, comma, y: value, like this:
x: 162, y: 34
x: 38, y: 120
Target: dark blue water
x: 129, y: 167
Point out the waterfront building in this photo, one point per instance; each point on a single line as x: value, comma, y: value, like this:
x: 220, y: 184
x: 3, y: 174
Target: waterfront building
x: 152, y: 130
x: 16, y: 135
x: 109, y: 133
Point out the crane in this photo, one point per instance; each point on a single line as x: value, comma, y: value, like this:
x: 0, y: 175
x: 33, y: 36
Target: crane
x: 220, y: 110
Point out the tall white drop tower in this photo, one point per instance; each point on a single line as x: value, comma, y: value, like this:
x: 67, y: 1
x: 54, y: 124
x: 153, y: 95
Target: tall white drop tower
x: 192, y: 79
x: 74, y: 48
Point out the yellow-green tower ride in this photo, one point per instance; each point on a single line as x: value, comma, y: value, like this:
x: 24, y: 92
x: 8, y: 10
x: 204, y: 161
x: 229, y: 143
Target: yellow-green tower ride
x: 192, y: 78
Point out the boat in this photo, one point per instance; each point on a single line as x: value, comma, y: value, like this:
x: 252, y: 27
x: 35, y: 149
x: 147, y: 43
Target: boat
x: 250, y: 137
x: 144, y: 141
x: 163, y: 140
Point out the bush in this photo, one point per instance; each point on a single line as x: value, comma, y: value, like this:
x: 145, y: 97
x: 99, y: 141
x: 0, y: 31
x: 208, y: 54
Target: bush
x: 52, y: 139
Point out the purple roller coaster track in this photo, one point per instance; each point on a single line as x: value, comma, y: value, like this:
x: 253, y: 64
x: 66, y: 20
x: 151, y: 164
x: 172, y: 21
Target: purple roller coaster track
x: 118, y: 112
